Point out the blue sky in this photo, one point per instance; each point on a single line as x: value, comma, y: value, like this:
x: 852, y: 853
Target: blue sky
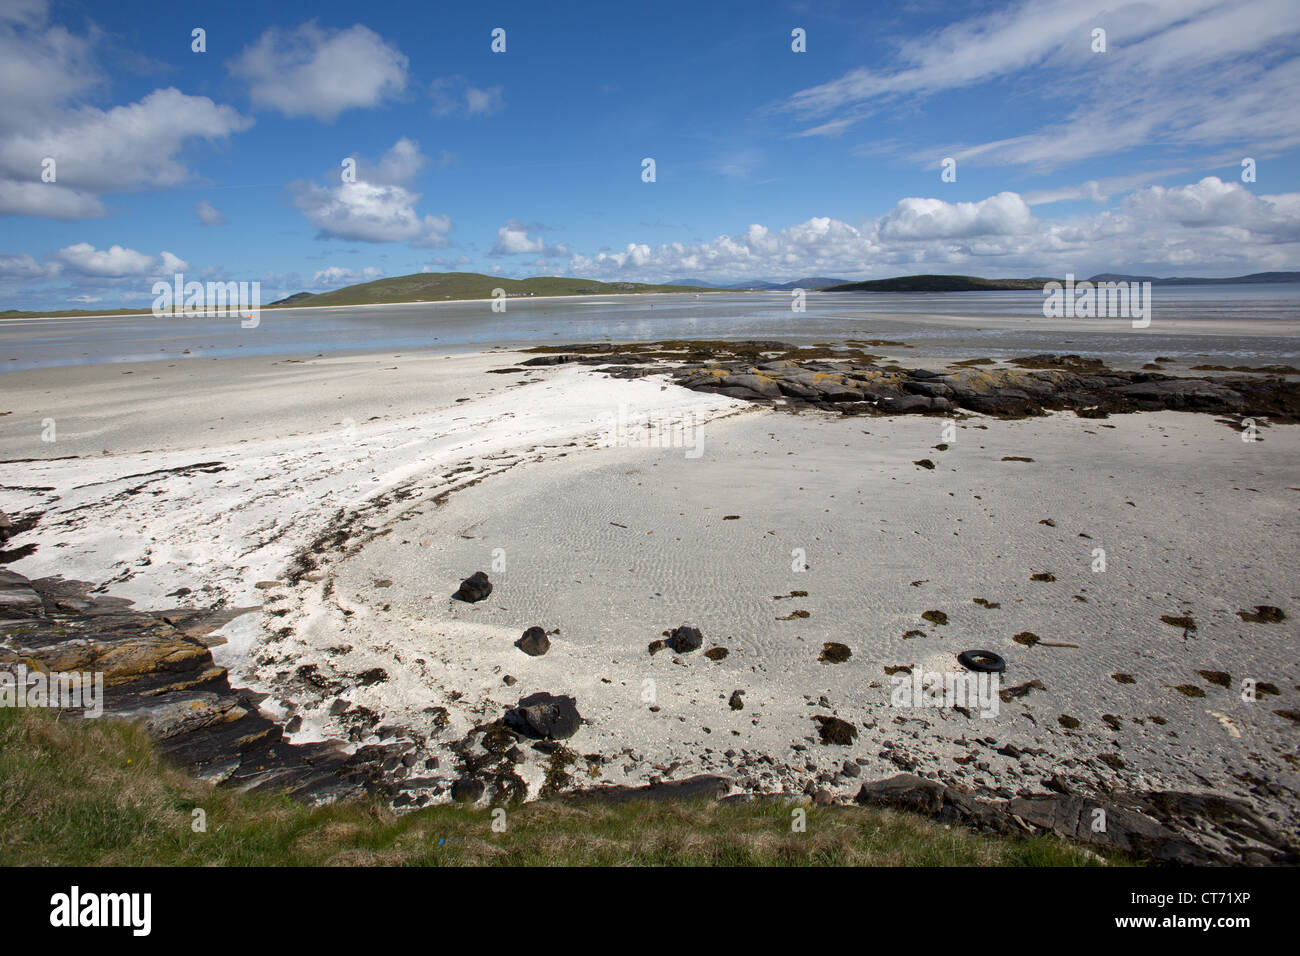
x: 769, y: 163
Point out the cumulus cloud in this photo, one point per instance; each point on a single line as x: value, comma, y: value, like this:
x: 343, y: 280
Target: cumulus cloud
x: 317, y: 72
x: 456, y: 96
x: 44, y: 70
x: 397, y: 167
x: 378, y: 207
x: 1212, y: 202
x: 50, y: 200
x: 124, y: 148
x: 1217, y: 227
x: 512, y: 240
x: 116, y: 262
x: 333, y: 277
x: 818, y: 246
x: 370, y: 213
x: 1005, y: 214
x: 41, y: 67
x: 23, y: 266
x: 208, y: 214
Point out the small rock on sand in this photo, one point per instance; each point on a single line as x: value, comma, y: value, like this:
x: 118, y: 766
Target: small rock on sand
x: 534, y: 643
x: 476, y: 587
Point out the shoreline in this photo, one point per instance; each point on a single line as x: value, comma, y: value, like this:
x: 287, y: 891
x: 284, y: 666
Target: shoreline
x: 426, y: 496
x: 376, y: 305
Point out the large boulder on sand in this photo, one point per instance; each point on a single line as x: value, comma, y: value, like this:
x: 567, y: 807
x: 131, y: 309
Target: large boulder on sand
x: 547, y: 716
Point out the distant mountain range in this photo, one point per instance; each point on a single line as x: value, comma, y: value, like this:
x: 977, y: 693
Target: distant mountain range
x: 1253, y: 278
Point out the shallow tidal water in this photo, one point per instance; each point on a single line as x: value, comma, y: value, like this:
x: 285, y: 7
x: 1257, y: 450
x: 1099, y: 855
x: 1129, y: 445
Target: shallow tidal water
x: 1229, y: 325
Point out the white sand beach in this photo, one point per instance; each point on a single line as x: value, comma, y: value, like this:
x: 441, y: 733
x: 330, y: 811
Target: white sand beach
x: 401, y: 475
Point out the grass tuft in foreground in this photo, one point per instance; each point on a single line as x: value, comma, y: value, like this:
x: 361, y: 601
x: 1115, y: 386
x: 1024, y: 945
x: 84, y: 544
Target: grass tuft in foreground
x: 91, y: 793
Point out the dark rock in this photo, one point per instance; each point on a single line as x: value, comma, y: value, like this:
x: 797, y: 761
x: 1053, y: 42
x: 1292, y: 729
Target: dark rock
x: 735, y: 703
x: 18, y: 599
x: 708, y: 786
x: 1263, y: 614
x: 685, y: 639
x: 476, y: 587
x: 834, y: 653
x: 467, y: 790
x: 1141, y: 825
x: 534, y: 643
x: 856, y: 385
x: 833, y: 730
x: 546, y: 716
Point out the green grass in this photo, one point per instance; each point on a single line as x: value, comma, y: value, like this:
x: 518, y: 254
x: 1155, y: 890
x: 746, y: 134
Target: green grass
x: 93, y: 793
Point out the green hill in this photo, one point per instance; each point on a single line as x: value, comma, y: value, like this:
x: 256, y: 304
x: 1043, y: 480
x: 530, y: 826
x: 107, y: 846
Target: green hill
x: 442, y: 286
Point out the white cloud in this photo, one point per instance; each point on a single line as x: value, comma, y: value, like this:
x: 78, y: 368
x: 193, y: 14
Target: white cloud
x: 1181, y: 73
x: 41, y: 67
x: 378, y: 207
x: 316, y: 72
x: 121, y: 149
x: 172, y: 264
x: 812, y: 247
x: 1216, y: 227
x: 116, y: 261
x: 333, y: 277
x: 49, y: 200
x: 43, y: 71
x: 207, y: 213
x: 512, y: 240
x: 916, y: 218
x: 370, y: 213
x: 23, y: 266
x: 1212, y: 202
x: 397, y: 167
x: 456, y: 96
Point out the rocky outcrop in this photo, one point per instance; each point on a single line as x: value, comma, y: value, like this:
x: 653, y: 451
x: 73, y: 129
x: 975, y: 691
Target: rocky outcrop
x: 700, y: 787
x: 158, y: 669
x: 1158, y: 826
x: 852, y: 382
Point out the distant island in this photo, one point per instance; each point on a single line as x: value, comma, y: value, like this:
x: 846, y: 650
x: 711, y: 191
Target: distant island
x: 935, y: 284
x: 938, y: 283
x: 452, y: 286
x: 446, y: 286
